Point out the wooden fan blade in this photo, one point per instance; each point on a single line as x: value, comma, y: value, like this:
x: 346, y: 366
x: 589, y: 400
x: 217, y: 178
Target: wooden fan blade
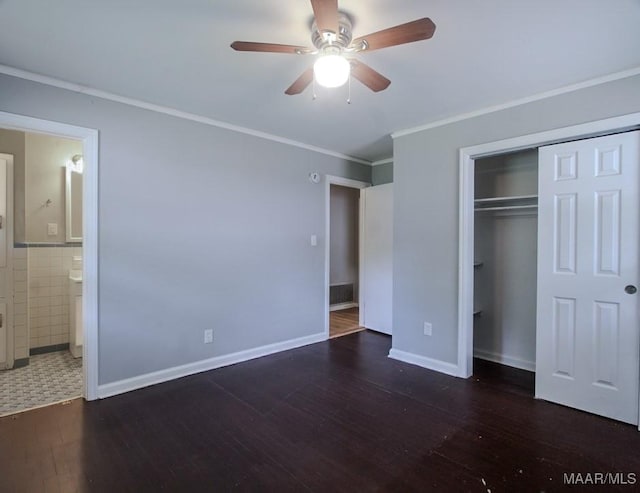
x: 369, y: 77
x: 268, y: 47
x: 404, y: 33
x: 301, y: 83
x: 326, y: 14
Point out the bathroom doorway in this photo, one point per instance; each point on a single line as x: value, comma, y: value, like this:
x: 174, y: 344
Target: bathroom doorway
x: 51, y: 324
x: 45, y: 259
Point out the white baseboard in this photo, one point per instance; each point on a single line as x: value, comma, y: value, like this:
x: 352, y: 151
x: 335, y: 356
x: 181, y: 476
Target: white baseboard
x: 424, y: 362
x: 342, y: 306
x: 134, y: 383
x: 505, y: 360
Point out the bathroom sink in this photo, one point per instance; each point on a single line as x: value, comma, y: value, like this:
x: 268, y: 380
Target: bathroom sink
x: 75, y: 275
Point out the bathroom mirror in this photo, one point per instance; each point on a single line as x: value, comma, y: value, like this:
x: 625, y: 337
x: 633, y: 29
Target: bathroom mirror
x: 73, y: 203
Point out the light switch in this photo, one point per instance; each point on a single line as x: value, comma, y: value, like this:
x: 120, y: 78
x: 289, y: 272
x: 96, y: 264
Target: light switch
x: 314, y: 240
x: 52, y: 229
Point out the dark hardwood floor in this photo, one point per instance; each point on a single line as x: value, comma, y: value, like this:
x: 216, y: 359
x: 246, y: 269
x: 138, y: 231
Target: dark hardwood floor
x: 334, y: 416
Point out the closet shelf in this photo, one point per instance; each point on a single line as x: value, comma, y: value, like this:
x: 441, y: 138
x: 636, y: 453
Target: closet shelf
x: 506, y: 207
x: 512, y: 198
x: 514, y: 202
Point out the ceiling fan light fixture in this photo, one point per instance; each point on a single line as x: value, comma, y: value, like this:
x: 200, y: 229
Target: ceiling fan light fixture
x: 331, y: 70
x: 332, y: 38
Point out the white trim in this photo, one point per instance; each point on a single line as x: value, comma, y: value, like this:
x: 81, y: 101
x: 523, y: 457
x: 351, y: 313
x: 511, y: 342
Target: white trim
x: 424, y: 362
x: 90, y: 252
x: 160, y: 376
x: 345, y: 182
x: 382, y: 161
x: 9, y: 221
x: 343, y: 306
x: 69, y: 86
x: 467, y: 158
x: 518, y: 102
x: 10, y: 239
x: 362, y: 211
x: 505, y: 360
x: 465, y: 258
x: 89, y: 138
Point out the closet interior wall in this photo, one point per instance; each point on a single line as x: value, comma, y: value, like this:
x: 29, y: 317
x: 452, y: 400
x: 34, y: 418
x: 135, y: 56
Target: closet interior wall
x: 506, y: 236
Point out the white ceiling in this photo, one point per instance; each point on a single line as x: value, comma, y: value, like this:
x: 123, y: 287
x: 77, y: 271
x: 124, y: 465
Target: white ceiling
x: 176, y: 53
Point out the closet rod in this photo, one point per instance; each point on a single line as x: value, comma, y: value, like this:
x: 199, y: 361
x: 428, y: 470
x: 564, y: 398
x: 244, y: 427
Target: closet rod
x: 506, y: 208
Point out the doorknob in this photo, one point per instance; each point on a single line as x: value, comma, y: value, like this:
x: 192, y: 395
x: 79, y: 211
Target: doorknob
x: 630, y: 289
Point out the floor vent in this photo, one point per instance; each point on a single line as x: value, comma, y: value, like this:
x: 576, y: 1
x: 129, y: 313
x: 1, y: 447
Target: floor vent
x: 341, y: 293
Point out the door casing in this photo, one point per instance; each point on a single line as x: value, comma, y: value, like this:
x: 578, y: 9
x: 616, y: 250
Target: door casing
x: 89, y: 139
x: 7, y: 225
x: 344, y: 182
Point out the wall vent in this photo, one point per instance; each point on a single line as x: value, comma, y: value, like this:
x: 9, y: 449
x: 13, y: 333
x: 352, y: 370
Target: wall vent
x: 341, y: 293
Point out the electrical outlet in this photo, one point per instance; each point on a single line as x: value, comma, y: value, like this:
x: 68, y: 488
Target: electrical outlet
x: 208, y: 336
x: 427, y: 328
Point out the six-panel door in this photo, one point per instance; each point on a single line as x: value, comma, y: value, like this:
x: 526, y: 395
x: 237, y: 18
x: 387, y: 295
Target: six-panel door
x: 587, y: 315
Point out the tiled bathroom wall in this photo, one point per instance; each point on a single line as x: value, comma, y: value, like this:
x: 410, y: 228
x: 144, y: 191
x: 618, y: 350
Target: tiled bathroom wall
x: 41, y: 296
x: 48, y: 278
x: 20, y: 309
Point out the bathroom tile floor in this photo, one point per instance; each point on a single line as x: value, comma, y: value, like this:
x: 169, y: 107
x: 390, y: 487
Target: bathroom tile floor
x: 48, y: 379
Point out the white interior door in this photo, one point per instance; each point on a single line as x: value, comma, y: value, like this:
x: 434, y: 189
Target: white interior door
x: 587, y: 314
x: 6, y: 337
x: 376, y: 264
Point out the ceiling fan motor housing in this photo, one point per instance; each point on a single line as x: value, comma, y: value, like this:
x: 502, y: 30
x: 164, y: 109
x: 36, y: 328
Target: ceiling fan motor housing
x: 341, y: 39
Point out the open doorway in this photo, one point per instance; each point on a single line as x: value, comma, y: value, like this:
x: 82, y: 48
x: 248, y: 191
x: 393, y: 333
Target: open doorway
x: 344, y: 260
x: 50, y: 327
x: 41, y: 247
x: 505, y: 258
x: 343, y: 250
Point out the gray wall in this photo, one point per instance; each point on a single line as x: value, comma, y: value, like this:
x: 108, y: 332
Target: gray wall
x: 200, y: 227
x: 345, y: 212
x: 381, y: 174
x: 426, y: 181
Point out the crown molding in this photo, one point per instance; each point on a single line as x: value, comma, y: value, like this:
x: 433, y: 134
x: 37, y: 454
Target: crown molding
x: 70, y: 86
x: 518, y: 102
x: 382, y: 161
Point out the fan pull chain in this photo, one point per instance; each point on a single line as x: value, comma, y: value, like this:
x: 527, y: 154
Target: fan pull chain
x: 314, y: 89
x: 349, y: 97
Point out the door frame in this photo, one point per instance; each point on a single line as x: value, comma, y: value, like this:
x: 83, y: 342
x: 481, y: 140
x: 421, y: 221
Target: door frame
x: 467, y: 157
x: 349, y: 183
x: 9, y: 226
x: 89, y: 139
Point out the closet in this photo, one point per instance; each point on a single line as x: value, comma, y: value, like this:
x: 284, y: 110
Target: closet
x: 556, y: 269
x: 505, y: 253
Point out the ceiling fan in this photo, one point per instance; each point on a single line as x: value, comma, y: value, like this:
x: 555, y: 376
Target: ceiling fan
x: 332, y: 38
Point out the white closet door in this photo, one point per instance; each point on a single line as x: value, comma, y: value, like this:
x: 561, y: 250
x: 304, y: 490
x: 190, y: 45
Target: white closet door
x: 587, y: 314
x: 376, y: 259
